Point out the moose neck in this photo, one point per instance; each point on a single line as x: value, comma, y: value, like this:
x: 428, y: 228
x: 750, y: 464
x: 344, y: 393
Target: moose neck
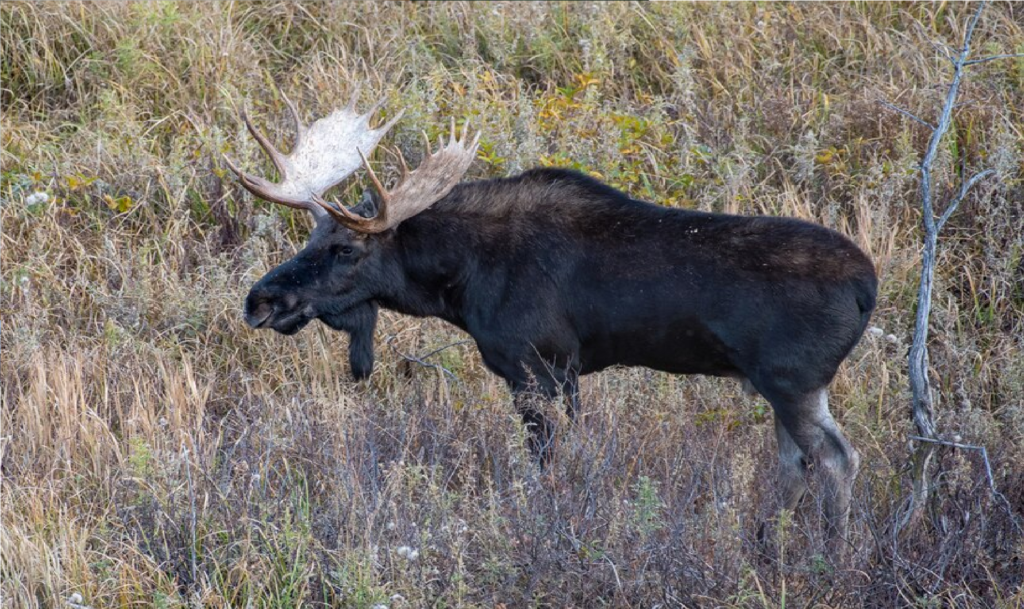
x: 429, y: 260
x: 460, y: 259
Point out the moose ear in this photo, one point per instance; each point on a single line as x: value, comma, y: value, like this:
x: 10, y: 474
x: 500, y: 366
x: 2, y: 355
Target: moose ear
x: 367, y: 206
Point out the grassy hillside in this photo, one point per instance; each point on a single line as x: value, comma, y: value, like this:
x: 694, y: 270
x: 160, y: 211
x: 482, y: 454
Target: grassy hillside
x: 157, y: 452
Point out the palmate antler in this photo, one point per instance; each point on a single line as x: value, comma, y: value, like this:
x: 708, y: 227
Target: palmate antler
x: 332, y: 148
x: 435, y: 177
x: 324, y: 154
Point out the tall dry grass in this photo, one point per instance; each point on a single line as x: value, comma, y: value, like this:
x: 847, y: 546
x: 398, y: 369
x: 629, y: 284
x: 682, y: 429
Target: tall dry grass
x: 155, y: 452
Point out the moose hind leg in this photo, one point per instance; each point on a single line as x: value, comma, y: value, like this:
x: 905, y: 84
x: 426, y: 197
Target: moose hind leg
x: 792, y: 468
x: 810, y: 425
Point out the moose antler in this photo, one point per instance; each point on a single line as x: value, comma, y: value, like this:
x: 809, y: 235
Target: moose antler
x: 331, y: 149
x: 324, y: 154
x: 435, y: 177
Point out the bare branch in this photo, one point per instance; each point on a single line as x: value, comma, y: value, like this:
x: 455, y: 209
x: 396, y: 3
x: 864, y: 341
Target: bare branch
x: 965, y: 104
x: 964, y: 189
x: 906, y: 113
x: 921, y: 400
x: 988, y: 470
x: 952, y: 444
x: 421, y: 360
x: 966, y: 50
x: 946, y: 50
x: 973, y: 62
x: 192, y: 509
x: 448, y: 346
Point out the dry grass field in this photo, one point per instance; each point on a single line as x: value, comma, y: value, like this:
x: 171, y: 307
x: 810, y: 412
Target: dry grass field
x: 157, y: 452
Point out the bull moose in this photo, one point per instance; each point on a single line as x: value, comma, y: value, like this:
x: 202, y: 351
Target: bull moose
x: 555, y: 274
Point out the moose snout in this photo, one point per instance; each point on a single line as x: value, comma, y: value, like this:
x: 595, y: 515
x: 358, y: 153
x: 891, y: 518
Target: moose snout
x: 258, y: 309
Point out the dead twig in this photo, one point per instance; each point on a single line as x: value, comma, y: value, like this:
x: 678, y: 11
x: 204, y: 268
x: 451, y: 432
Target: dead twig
x: 964, y: 189
x: 974, y: 62
x: 922, y: 406
x: 1014, y: 519
x: 421, y: 360
x: 906, y: 113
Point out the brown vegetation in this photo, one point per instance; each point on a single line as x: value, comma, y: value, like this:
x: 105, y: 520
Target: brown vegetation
x: 156, y: 452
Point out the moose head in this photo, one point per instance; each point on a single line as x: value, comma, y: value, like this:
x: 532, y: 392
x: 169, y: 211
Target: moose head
x: 333, y: 277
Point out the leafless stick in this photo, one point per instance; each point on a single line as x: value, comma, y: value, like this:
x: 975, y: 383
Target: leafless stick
x: 192, y: 514
x: 974, y: 62
x: 964, y: 104
x: 964, y: 189
x: 988, y: 472
x: 923, y: 413
x: 946, y: 51
x: 420, y: 360
x: 449, y: 346
x: 906, y: 113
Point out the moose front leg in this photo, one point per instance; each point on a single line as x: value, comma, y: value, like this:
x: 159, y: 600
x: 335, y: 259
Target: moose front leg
x: 531, y: 406
x: 537, y: 382
x: 536, y: 398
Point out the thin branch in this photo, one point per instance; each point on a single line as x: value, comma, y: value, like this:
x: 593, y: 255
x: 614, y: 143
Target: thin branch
x: 946, y: 50
x: 426, y: 364
x: 449, y: 346
x: 906, y: 113
x: 921, y: 398
x: 192, y: 514
x: 964, y: 189
x: 988, y: 471
x: 992, y: 58
x: 970, y: 31
x: 964, y: 104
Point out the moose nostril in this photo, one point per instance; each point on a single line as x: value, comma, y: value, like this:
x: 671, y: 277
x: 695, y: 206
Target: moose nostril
x: 257, y: 311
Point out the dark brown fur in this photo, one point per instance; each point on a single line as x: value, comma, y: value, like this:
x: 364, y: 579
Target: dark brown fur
x: 555, y: 275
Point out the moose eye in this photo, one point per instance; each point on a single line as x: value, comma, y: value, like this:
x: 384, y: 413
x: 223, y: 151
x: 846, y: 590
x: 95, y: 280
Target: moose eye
x: 344, y: 250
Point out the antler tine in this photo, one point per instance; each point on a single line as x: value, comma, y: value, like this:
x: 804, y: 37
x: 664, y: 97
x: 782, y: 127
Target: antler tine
x: 242, y: 176
x: 391, y: 123
x: 238, y: 172
x: 426, y: 143
x: 339, y: 212
x: 300, y: 127
x: 272, y: 152
x: 401, y: 160
x: 465, y: 130
x: 376, y: 106
x: 384, y: 194
x: 369, y: 113
x: 250, y: 183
